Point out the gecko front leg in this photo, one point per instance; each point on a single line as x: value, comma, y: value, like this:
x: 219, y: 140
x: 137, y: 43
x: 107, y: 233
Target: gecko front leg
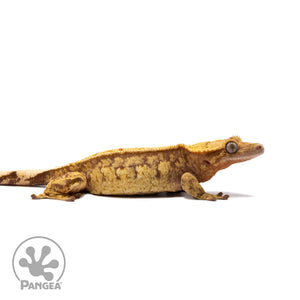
x: 67, y: 187
x: 190, y: 185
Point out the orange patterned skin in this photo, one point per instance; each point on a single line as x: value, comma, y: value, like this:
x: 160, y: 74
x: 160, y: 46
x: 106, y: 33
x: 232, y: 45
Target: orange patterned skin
x: 137, y: 171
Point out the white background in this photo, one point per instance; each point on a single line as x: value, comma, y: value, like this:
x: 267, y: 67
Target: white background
x: 79, y: 77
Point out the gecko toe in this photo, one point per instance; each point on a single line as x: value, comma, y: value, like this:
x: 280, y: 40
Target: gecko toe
x: 221, y: 196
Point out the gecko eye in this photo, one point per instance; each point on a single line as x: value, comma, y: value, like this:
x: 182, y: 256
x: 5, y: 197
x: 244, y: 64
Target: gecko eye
x: 231, y: 147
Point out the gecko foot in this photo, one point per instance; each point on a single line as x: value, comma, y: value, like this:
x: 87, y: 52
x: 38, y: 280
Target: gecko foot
x: 57, y: 197
x: 211, y: 197
x: 223, y: 197
x: 191, y: 185
x: 67, y: 187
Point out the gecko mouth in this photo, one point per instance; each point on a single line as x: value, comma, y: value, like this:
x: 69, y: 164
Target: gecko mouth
x: 245, y: 154
x: 248, y: 154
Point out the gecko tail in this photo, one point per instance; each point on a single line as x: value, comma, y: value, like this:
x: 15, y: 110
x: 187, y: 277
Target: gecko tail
x: 25, y: 178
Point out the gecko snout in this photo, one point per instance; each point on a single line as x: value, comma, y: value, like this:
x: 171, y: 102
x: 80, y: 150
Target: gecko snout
x: 260, y: 148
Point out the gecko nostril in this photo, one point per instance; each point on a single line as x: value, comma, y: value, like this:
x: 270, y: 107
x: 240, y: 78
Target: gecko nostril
x: 259, y: 148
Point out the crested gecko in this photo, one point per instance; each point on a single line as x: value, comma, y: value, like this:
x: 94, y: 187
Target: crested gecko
x: 136, y: 171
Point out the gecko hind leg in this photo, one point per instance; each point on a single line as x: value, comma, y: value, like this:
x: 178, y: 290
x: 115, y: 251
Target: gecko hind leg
x: 190, y: 185
x: 66, y: 187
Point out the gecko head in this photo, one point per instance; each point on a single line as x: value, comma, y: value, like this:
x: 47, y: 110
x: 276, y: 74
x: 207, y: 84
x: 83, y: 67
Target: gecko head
x: 234, y: 150
x: 220, y: 154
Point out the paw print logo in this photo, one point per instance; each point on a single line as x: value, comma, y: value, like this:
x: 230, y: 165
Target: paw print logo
x: 36, y: 267
x: 39, y: 259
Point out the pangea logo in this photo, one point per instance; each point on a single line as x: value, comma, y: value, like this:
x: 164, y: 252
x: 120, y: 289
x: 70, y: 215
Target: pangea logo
x: 39, y: 263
